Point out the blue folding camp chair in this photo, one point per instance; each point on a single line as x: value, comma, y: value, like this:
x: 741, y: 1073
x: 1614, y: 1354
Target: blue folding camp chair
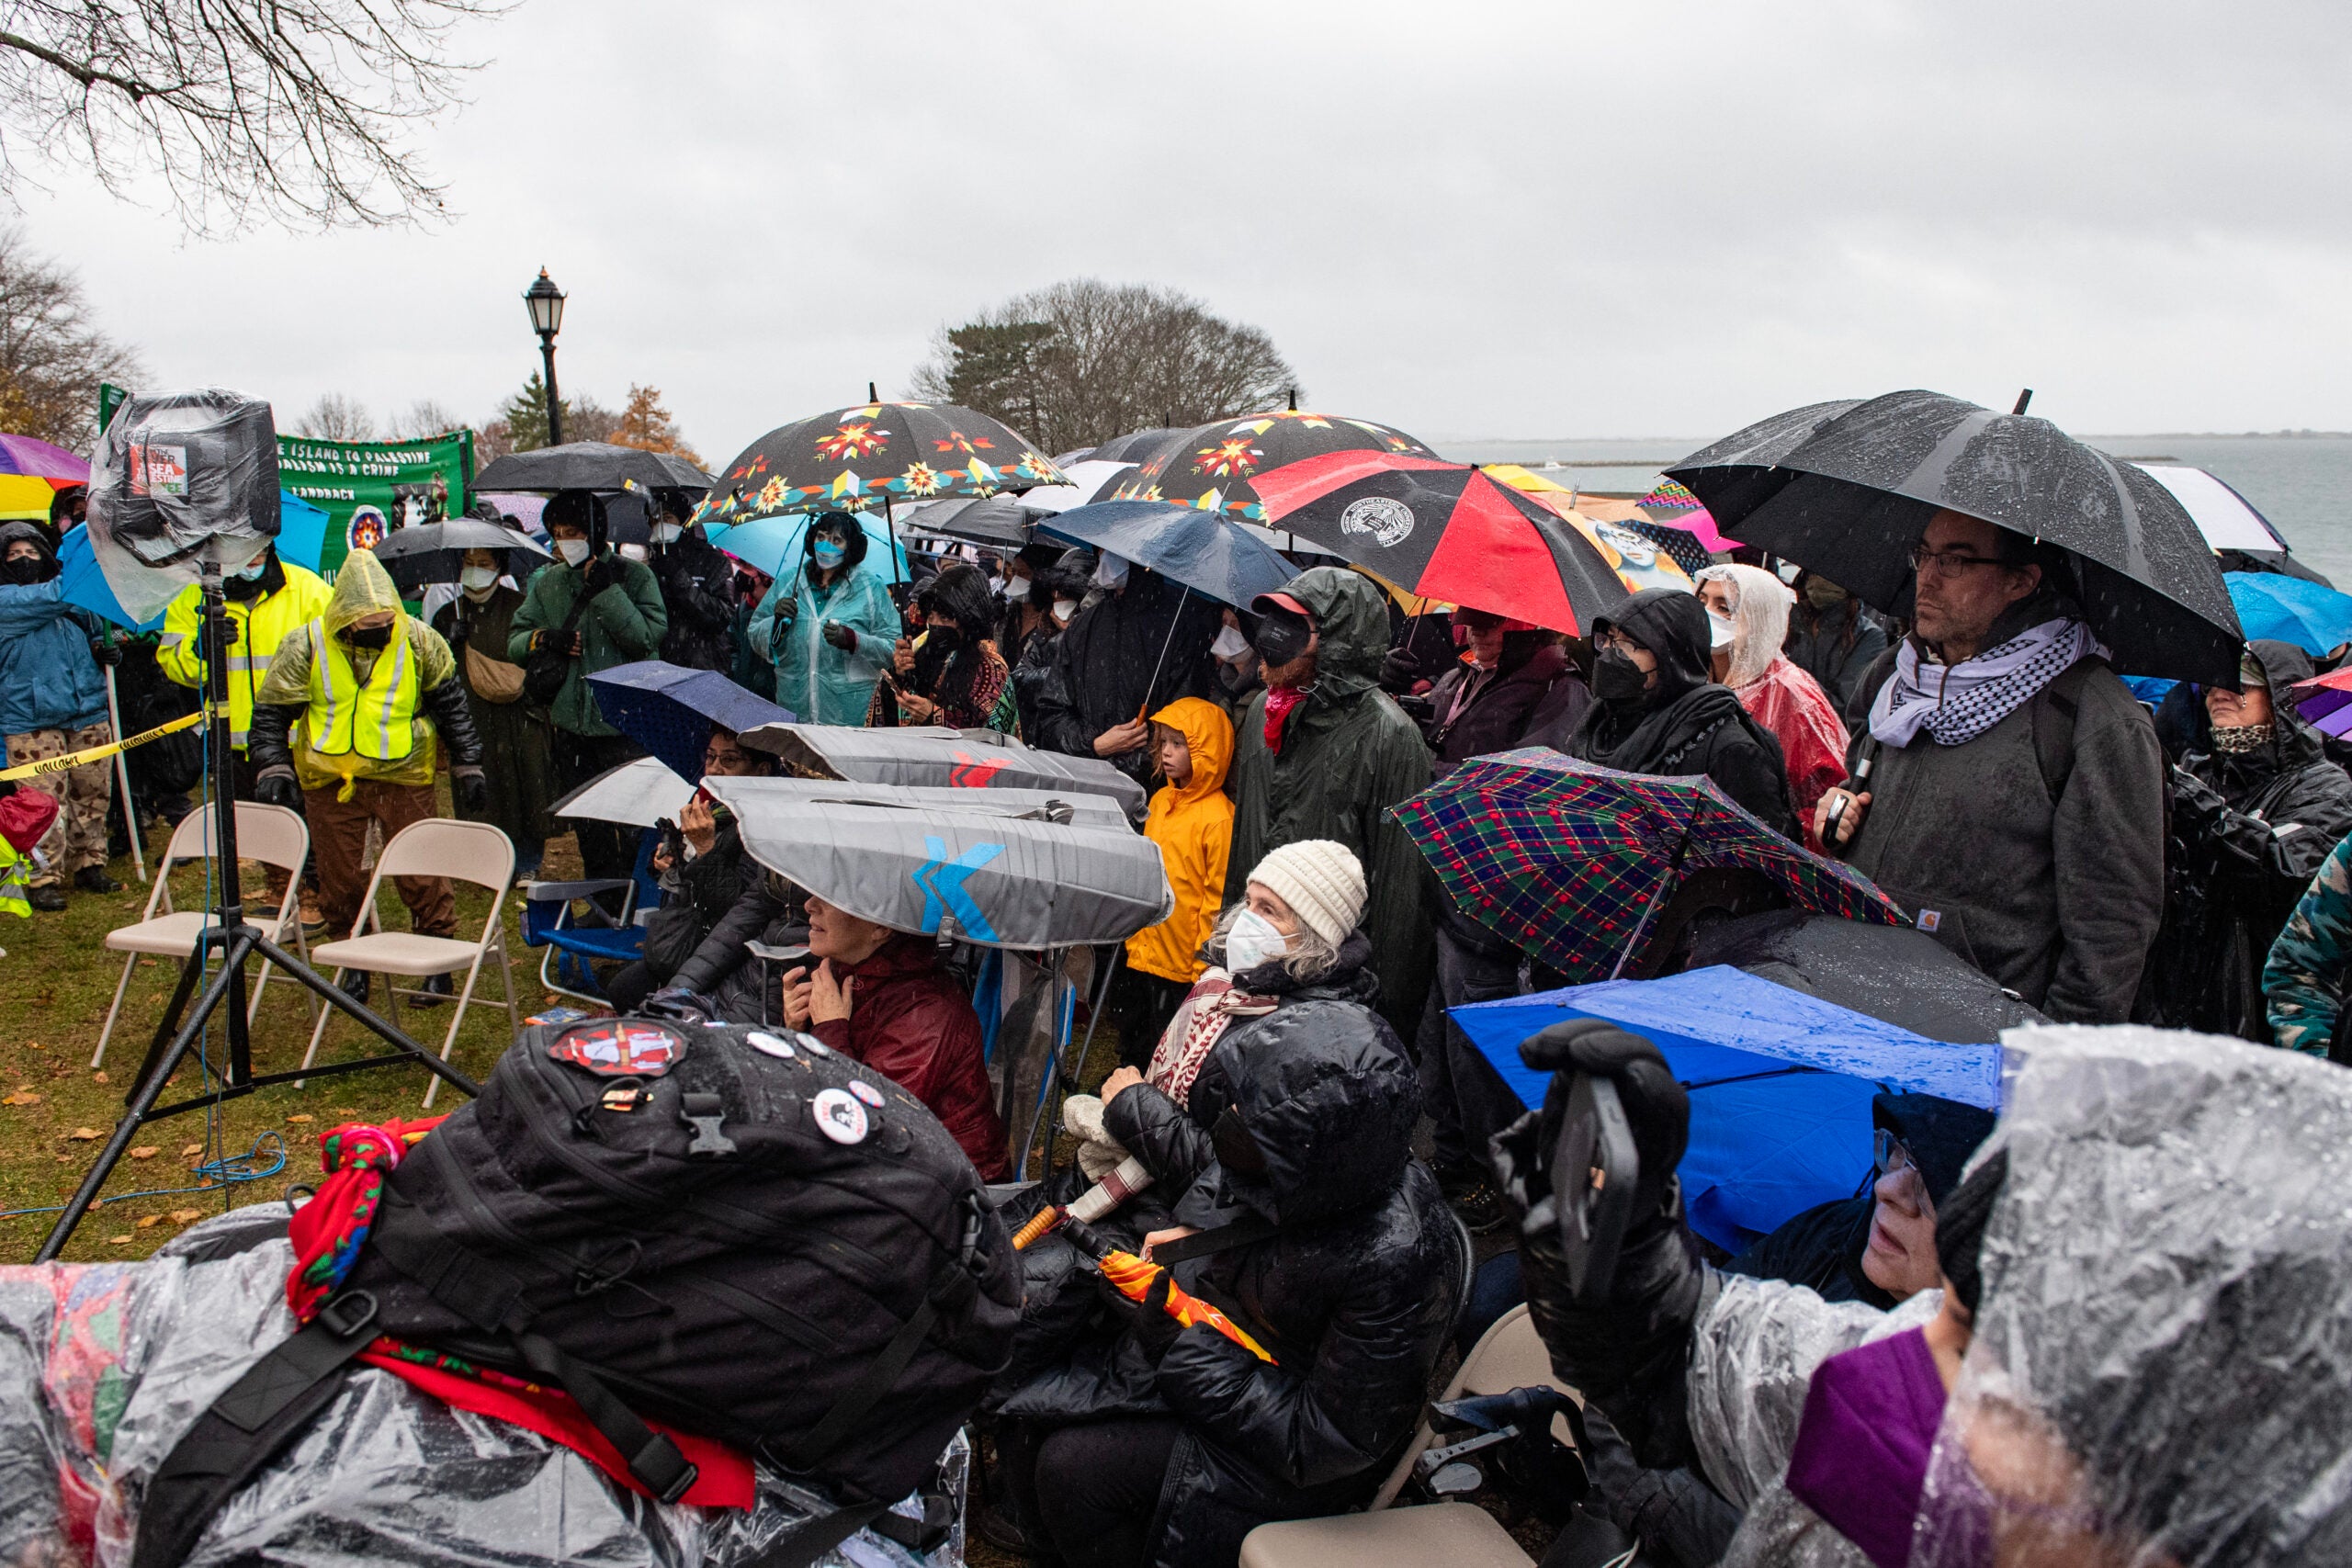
x: 578, y: 923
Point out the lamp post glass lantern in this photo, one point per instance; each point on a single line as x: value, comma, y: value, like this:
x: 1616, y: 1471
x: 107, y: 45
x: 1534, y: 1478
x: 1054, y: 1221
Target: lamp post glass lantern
x: 546, y: 303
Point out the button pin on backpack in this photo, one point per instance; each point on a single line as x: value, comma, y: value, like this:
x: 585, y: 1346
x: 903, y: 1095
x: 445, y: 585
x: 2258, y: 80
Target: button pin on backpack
x: 839, y: 1117
x: 703, y: 1112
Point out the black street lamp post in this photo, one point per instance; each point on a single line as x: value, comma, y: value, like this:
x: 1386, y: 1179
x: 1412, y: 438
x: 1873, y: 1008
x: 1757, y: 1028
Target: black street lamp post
x: 546, y: 301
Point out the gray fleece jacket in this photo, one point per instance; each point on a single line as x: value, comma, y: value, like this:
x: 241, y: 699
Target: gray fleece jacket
x: 2055, y: 893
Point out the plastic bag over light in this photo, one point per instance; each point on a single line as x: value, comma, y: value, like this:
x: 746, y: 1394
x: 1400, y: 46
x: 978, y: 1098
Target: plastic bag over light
x: 2161, y: 1372
x: 180, y: 478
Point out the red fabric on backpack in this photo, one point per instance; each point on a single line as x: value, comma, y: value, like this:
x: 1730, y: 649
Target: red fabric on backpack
x: 25, y: 816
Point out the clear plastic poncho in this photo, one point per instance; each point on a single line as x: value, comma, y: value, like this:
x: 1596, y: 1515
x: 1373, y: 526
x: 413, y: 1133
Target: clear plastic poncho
x: 2161, y: 1372
x: 103, y: 1366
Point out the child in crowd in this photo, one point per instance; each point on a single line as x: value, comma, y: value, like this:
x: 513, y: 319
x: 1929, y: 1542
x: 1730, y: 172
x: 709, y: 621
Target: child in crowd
x: 1191, y: 821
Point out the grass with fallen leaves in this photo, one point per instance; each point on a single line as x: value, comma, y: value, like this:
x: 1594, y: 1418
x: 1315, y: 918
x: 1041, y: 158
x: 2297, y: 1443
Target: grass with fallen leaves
x: 56, y: 1112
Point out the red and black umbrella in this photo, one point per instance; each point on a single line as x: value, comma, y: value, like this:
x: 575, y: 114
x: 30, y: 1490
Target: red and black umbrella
x: 1445, y: 531
x: 1214, y: 467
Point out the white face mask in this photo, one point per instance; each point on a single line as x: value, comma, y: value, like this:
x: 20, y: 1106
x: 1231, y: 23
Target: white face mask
x: 478, y: 579
x: 1250, y: 941
x: 1063, y: 609
x: 1229, y: 644
x: 632, y: 552
x: 571, y: 551
x: 666, y: 533
x: 1721, y: 630
x: 1111, y: 571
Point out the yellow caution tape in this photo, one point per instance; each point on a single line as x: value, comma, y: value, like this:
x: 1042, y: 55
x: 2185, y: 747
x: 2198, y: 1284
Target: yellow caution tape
x: 98, y: 753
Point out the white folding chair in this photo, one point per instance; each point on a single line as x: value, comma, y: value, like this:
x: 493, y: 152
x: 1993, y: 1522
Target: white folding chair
x: 271, y: 834
x: 439, y: 846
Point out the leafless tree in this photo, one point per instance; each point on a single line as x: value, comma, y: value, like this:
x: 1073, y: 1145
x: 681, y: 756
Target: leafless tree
x: 1083, y: 360
x: 420, y: 421
x: 335, y: 417
x: 295, y: 112
x: 52, y: 356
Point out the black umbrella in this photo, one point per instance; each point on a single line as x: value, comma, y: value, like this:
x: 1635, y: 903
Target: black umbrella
x: 1847, y: 488
x: 436, y: 552
x: 988, y: 520
x: 1892, y: 973
x: 1136, y: 445
x: 590, y: 465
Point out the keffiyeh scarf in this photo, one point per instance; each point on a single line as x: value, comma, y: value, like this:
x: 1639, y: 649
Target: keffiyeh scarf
x: 1957, y: 702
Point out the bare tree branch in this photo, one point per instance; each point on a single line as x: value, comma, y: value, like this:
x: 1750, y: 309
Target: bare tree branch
x: 294, y: 112
x: 52, y: 356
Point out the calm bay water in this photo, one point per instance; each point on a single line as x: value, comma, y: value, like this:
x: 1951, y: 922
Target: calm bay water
x: 2303, y: 484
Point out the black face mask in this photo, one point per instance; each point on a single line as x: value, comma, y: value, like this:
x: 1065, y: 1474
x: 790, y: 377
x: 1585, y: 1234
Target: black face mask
x: 367, y: 637
x: 947, y: 640
x: 1617, y: 679
x: 1281, y: 637
x: 25, y: 570
x: 1237, y: 1150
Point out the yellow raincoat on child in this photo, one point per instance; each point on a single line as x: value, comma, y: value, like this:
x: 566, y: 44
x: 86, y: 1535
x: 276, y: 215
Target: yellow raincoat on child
x: 1193, y: 828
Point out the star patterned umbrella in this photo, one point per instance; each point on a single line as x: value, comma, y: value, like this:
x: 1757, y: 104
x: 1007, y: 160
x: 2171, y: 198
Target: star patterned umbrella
x: 1213, y: 466
x: 875, y: 454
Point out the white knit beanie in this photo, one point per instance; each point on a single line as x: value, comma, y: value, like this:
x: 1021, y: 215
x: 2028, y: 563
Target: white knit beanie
x: 1321, y: 881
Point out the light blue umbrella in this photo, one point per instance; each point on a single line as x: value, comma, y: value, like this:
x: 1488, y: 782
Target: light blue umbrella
x: 773, y: 544
x: 1780, y: 1083
x: 2311, y: 616
x: 1201, y: 549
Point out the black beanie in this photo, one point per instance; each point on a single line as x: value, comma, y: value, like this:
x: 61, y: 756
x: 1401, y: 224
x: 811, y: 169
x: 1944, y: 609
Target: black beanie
x: 1959, y: 1228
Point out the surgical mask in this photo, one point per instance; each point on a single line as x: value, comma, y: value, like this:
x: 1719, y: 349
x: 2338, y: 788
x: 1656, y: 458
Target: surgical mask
x: 1616, y: 678
x: 1250, y: 941
x: 367, y: 636
x: 830, y: 553
x: 478, y: 579
x: 571, y: 551
x: 252, y: 573
x: 1063, y: 609
x: 666, y: 533
x: 1229, y: 644
x: 1111, y: 571
x: 1721, y: 633
x: 632, y: 552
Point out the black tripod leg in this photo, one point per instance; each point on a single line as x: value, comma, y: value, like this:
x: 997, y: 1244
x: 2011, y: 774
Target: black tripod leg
x: 241, y: 1045
x: 142, y: 1099
x: 168, y: 1025
x: 335, y: 996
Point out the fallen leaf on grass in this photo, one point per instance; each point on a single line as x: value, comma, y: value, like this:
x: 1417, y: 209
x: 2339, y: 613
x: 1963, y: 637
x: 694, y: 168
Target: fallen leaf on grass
x: 146, y: 963
x: 22, y: 1097
x: 83, y: 1134
x: 302, y: 1119
x: 191, y: 1149
x: 98, y: 1076
x: 35, y: 1046
x: 185, y: 1216
x: 146, y: 1151
x: 150, y: 1220
x: 119, y: 1240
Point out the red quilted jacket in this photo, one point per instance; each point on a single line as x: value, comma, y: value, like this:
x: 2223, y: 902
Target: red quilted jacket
x: 912, y: 1022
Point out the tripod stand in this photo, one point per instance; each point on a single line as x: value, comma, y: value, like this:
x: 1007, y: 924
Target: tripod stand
x: 236, y: 941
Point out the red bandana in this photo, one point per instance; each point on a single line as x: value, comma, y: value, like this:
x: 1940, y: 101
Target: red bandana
x: 1280, y: 700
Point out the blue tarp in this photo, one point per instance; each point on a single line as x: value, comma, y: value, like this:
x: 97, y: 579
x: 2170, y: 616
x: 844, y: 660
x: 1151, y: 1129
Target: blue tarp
x: 1780, y: 1083
x: 669, y: 709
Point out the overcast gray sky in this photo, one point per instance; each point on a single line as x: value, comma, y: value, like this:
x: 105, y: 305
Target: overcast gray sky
x: 1546, y: 220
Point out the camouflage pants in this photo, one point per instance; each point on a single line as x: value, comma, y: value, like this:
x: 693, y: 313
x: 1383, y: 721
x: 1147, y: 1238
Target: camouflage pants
x: 78, y: 837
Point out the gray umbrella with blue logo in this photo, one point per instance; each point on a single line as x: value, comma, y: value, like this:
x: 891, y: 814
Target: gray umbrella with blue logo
x: 1001, y: 867
x: 931, y: 756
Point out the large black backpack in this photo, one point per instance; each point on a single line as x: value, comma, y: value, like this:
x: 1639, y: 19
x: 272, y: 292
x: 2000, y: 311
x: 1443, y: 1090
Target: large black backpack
x: 766, y: 1244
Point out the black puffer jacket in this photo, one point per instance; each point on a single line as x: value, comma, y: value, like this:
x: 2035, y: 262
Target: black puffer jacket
x: 1683, y: 724
x: 2249, y: 829
x: 1104, y: 671
x: 698, y: 590
x: 1355, y: 1294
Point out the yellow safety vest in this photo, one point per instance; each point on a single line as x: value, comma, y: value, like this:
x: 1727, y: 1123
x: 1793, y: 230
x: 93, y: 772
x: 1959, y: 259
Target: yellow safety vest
x: 16, y: 876
x: 377, y: 719
x: 261, y: 626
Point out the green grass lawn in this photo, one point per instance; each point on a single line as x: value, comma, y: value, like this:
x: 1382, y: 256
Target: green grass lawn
x: 55, y: 1113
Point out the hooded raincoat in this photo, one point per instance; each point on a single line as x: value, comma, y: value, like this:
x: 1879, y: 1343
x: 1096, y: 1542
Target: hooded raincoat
x: 817, y: 682
x: 411, y: 684
x: 2249, y: 829
x: 1349, y: 754
x: 1684, y: 723
x: 1193, y: 825
x: 48, y: 678
x: 1778, y: 695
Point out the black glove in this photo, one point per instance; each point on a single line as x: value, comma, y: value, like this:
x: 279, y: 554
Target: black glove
x: 459, y: 630
x: 106, y: 650
x: 675, y: 1003
x: 233, y: 631
x: 471, y: 789
x: 603, y: 572
x: 278, y: 786
x: 2194, y: 800
x: 1399, y: 671
x: 841, y: 636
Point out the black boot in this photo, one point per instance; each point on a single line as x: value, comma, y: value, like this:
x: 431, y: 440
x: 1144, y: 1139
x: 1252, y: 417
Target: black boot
x: 1473, y: 1196
x: 93, y: 879
x: 46, y: 897
x: 355, y: 986
x: 435, y: 988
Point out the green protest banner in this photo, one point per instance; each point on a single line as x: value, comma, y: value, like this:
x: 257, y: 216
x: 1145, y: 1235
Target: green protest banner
x: 369, y: 487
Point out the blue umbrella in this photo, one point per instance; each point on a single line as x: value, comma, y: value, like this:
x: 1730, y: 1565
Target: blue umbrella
x: 2313, y: 616
x: 1780, y: 1083
x: 302, y: 528
x: 670, y: 710
x: 773, y: 544
x: 1198, y: 548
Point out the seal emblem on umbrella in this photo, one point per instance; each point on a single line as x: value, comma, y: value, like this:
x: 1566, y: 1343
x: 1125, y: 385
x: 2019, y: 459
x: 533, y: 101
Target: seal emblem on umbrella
x: 1386, y: 519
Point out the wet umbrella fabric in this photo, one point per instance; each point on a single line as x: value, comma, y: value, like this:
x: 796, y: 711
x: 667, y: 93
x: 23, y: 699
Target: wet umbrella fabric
x: 774, y: 544
x: 2324, y: 701
x: 1894, y: 974
x: 1445, y: 531
x: 987, y: 878
x: 987, y: 520
x: 1070, y: 805
x: 436, y: 552
x: 872, y: 455
x: 2311, y: 616
x: 935, y: 756
x: 1214, y: 467
x: 1207, y: 554
x: 1091, y: 479
x: 638, y: 794
x: 1846, y: 488
x: 1139, y: 445
x: 670, y: 710
x: 1780, y: 1083
x: 590, y: 465
x: 1568, y: 860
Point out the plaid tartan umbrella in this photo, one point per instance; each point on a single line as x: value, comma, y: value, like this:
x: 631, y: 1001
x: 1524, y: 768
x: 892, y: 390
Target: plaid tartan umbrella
x: 1568, y: 860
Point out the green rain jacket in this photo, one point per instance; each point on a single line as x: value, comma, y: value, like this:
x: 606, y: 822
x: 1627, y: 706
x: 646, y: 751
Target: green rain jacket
x: 621, y: 625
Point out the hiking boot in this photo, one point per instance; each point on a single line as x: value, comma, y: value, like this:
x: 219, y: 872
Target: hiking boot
x: 436, y: 989
x: 355, y: 986
x: 1473, y: 1197
x: 93, y: 879
x: 1001, y: 1530
x: 48, y: 897
x: 315, y: 919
